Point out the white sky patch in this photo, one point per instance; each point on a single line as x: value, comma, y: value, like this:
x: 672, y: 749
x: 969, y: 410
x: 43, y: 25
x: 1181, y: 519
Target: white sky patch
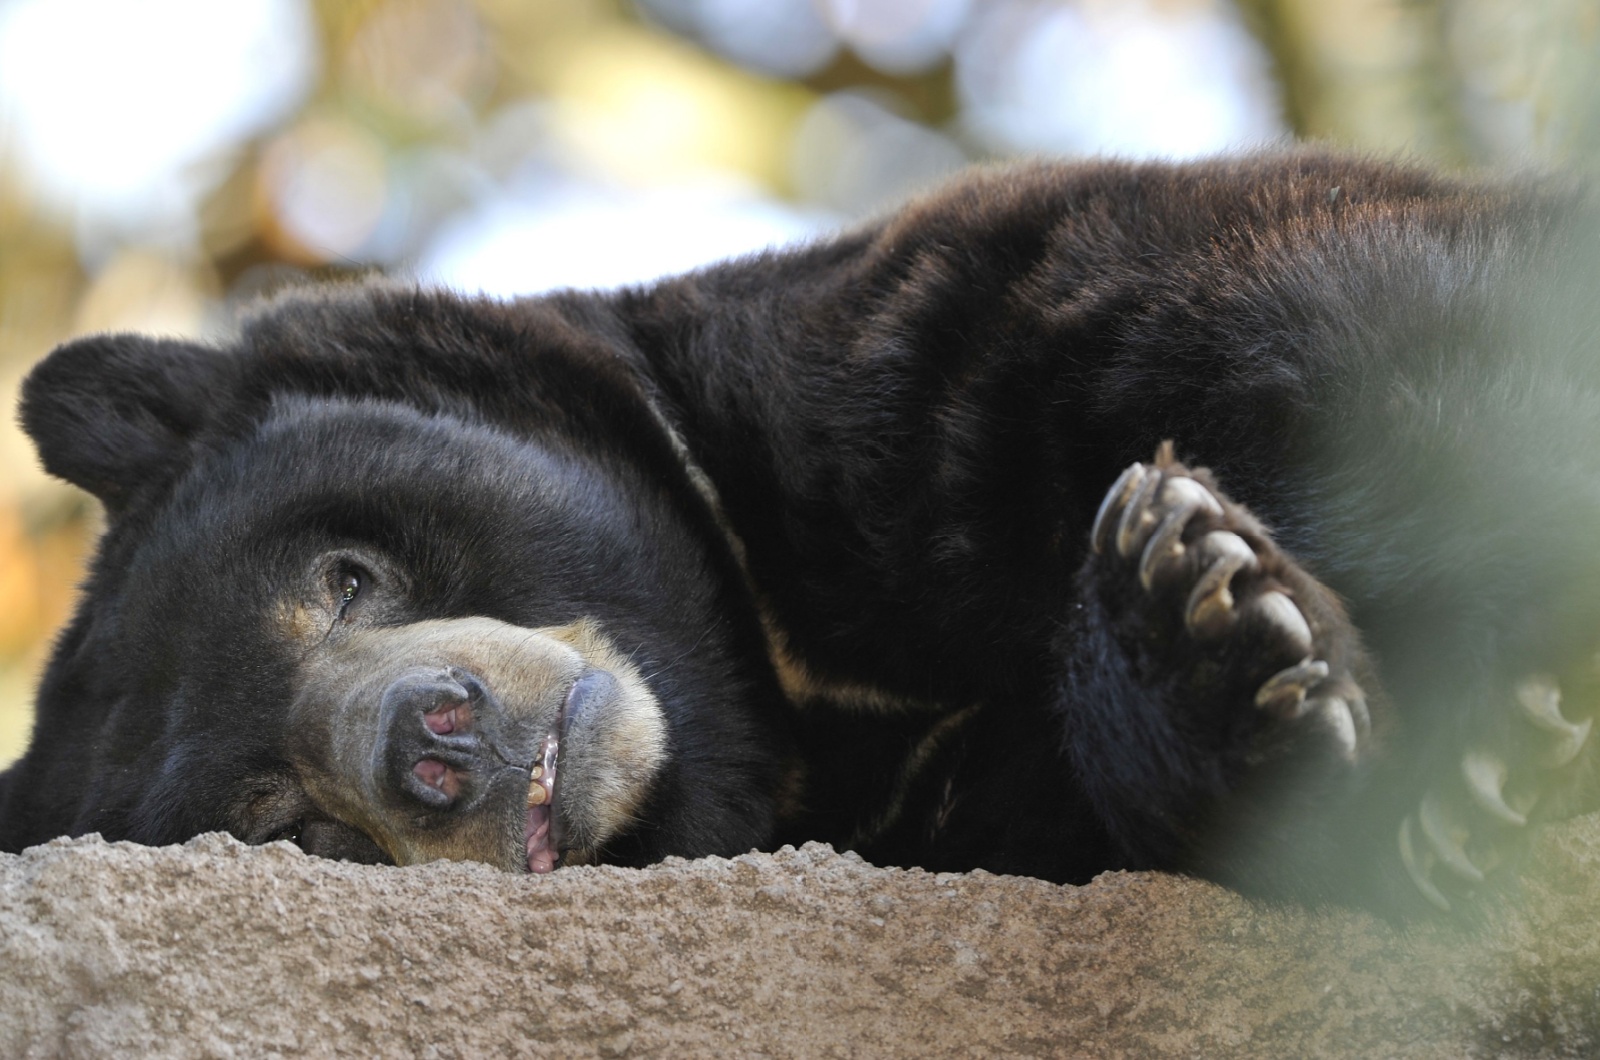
x: 570, y: 235
x: 108, y: 106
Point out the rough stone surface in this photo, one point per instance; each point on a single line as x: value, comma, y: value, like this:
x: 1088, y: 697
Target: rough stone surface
x: 217, y: 949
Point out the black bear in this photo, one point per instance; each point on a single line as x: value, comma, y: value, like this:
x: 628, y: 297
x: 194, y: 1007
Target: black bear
x: 1030, y: 528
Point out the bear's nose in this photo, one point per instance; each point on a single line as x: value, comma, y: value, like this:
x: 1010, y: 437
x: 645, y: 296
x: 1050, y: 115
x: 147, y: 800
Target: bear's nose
x: 433, y: 747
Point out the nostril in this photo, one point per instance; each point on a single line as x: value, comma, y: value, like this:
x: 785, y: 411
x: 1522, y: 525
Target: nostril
x: 438, y: 776
x: 449, y: 718
x: 445, y: 697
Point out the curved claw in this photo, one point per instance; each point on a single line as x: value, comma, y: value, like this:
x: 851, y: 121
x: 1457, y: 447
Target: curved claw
x: 1540, y: 699
x: 1186, y: 497
x: 1136, y: 518
x: 1336, y: 714
x: 1285, y: 691
x: 1486, y: 774
x: 1209, y: 611
x: 1418, y: 866
x: 1447, y: 838
x: 1120, y: 493
x: 1360, y: 716
x: 1280, y: 611
x: 1571, y: 743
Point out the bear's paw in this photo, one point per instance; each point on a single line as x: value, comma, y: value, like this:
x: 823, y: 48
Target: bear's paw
x: 1221, y: 606
x: 1471, y: 824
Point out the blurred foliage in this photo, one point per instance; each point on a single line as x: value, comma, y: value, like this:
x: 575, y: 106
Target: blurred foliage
x: 1455, y: 82
x: 415, y: 111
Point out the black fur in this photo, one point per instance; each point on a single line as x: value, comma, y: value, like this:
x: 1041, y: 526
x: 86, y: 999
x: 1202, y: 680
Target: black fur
x: 909, y: 430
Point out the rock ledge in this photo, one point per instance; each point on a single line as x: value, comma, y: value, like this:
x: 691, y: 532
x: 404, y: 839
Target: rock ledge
x: 217, y: 949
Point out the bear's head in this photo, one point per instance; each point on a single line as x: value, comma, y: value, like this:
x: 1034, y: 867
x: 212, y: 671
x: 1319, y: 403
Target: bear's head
x: 401, y: 577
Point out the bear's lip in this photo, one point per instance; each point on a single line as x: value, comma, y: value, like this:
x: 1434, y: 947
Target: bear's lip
x: 542, y: 832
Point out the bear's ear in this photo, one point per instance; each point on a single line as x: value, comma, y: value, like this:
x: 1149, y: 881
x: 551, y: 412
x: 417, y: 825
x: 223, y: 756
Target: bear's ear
x: 114, y: 413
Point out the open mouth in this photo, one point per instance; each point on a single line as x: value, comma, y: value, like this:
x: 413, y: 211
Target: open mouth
x: 542, y: 824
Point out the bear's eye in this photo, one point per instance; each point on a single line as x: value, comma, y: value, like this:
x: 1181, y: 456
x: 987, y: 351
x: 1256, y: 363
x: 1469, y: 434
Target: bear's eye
x: 347, y: 586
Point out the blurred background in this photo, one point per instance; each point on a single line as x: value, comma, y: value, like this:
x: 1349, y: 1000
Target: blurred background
x: 164, y: 161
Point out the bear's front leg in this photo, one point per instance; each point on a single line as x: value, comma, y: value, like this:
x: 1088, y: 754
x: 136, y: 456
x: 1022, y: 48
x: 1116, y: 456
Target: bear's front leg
x: 1219, y: 705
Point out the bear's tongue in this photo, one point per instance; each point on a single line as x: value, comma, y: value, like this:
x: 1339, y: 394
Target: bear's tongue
x: 538, y: 832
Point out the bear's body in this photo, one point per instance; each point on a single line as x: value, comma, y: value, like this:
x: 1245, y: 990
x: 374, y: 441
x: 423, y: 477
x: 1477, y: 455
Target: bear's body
x: 819, y: 545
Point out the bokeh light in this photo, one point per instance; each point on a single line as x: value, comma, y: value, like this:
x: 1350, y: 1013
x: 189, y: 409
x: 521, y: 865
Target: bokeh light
x: 897, y: 36
x: 568, y: 234
x: 781, y: 38
x: 119, y: 111
x: 1115, y: 78
x: 325, y: 184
